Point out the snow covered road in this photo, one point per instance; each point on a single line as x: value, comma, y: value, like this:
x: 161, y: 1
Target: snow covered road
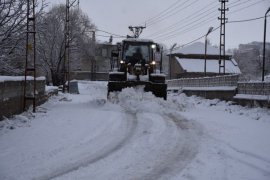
x: 135, y: 136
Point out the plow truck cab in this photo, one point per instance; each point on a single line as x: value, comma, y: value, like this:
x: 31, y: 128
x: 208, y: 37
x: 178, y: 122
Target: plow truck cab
x: 137, y: 63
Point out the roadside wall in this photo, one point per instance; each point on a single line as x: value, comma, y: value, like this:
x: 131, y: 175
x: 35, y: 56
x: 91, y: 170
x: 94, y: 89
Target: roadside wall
x: 228, y: 80
x: 12, y: 93
x: 224, y: 88
x: 218, y: 87
x: 253, y: 94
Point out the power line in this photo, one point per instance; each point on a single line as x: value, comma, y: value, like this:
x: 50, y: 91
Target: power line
x: 173, y: 13
x: 109, y: 36
x: 110, y: 33
x: 246, y: 20
x: 231, y: 12
x: 196, y: 14
x: 181, y: 46
x: 175, y: 33
x: 238, y: 21
x: 160, y: 13
x: 187, y: 18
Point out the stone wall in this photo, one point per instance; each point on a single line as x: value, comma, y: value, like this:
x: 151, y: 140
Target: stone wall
x: 12, y: 93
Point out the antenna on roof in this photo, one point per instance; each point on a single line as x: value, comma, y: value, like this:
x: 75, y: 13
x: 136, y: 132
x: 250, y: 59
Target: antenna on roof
x: 137, y: 30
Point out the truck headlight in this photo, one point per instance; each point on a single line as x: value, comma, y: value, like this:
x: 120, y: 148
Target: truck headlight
x: 153, y: 46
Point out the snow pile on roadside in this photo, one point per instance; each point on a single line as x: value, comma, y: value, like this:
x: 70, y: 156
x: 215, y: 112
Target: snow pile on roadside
x: 235, y: 141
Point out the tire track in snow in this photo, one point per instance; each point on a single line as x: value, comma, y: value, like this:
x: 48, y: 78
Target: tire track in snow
x: 157, y: 160
x: 183, y: 152
x: 160, y: 163
x: 132, y: 124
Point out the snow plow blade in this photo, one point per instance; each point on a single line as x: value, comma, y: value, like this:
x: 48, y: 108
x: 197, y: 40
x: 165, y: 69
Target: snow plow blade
x: 158, y: 89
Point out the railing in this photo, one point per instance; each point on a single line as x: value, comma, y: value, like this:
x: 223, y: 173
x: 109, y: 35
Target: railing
x: 227, y: 80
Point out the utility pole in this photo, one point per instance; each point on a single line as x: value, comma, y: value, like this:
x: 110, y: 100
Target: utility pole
x: 264, y: 39
x: 170, y: 59
x: 30, y: 61
x: 205, y: 48
x: 222, y: 18
x: 137, y: 30
x: 66, y: 64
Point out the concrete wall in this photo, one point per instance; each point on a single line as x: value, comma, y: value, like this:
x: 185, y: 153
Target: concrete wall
x: 225, y: 88
x: 257, y: 88
x: 253, y: 94
x: 218, y: 87
x: 12, y: 93
x: 228, y: 80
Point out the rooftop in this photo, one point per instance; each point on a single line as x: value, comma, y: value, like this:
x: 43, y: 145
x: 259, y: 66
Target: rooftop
x: 197, y: 65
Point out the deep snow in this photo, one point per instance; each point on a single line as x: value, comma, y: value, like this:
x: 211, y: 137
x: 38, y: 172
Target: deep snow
x: 135, y: 136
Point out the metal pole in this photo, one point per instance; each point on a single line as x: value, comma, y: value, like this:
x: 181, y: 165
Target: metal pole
x: 205, y: 48
x: 170, y: 59
x: 161, y: 59
x: 170, y: 64
x: 264, y: 39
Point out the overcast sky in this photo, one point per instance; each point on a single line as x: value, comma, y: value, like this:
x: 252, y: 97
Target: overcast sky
x: 177, y: 21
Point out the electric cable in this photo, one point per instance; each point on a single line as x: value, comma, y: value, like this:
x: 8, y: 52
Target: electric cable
x: 176, y: 32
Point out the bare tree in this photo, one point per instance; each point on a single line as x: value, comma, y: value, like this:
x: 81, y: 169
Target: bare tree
x: 51, y: 40
x: 12, y: 34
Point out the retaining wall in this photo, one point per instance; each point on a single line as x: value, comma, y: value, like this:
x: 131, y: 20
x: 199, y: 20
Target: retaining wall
x: 228, y: 80
x: 225, y: 88
x: 253, y: 94
x: 218, y: 87
x: 12, y: 93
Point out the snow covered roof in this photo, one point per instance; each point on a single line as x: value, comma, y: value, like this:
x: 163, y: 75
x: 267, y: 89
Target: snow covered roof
x: 197, y: 48
x: 197, y: 65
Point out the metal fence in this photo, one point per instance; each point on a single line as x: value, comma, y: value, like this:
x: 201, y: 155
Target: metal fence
x: 227, y: 80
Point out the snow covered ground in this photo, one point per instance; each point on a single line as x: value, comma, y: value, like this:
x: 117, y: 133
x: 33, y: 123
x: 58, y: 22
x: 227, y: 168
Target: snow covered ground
x: 135, y: 136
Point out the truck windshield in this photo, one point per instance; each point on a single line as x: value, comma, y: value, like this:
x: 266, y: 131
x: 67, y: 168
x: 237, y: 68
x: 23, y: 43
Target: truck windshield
x: 140, y: 52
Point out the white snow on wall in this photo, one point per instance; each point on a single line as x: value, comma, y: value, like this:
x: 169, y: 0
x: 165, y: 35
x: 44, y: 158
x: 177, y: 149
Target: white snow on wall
x: 197, y: 65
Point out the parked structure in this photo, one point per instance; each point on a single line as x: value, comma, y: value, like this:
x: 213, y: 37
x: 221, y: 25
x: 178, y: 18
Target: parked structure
x: 189, y: 62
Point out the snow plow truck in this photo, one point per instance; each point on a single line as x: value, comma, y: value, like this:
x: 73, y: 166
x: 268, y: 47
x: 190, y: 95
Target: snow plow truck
x: 138, y: 63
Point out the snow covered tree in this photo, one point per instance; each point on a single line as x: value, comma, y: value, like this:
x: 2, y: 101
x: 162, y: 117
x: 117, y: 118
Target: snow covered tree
x: 51, y: 41
x: 12, y: 34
